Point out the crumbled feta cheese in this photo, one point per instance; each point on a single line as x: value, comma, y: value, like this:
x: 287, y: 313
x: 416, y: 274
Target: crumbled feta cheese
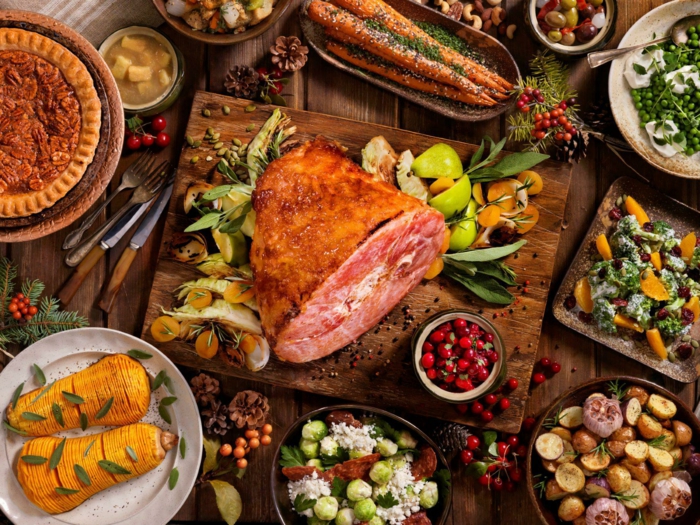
x: 351, y: 438
x: 311, y: 487
x: 405, y: 490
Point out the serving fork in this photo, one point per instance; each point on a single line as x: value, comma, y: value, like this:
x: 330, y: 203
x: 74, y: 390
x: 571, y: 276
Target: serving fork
x: 152, y: 184
x: 133, y: 177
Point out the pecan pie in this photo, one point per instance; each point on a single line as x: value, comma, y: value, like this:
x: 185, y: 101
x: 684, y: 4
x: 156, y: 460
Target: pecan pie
x: 50, y: 118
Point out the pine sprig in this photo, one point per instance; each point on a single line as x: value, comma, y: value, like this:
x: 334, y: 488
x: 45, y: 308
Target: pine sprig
x: 8, y: 274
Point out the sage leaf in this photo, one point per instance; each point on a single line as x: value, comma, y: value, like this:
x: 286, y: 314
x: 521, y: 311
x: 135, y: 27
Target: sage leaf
x: 42, y: 393
x: 32, y: 416
x: 497, y: 270
x: 183, y: 446
x: 228, y: 500
x: 34, y: 460
x: 488, y: 289
x: 15, y: 395
x: 83, y: 421
x: 486, y: 254
x: 82, y: 474
x: 167, y: 401
x: 517, y: 162
x: 211, y: 450
x: 57, y: 454
x: 158, y: 380
x: 139, y: 354
x: 73, y: 398
x: 217, y: 193
x: 112, y: 467
x: 105, y: 408
x: 164, y: 414
x: 209, y: 221
x: 169, y: 384
x: 174, y: 476
x: 87, y: 450
x: 132, y: 453
x: 234, y: 225
x: 66, y: 491
x: 57, y: 414
x: 39, y: 375
x: 477, y: 155
x: 13, y: 429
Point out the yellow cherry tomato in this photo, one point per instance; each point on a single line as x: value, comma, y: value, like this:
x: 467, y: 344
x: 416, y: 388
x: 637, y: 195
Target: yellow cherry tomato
x: 207, y: 344
x: 239, y: 292
x: 165, y: 329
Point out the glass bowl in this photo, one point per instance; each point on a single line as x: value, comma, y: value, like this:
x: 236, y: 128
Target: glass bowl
x: 604, y: 35
x: 498, y: 372
x: 168, y: 97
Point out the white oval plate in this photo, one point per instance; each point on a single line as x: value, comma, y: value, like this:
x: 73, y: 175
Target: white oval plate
x: 145, y: 500
x: 659, y: 21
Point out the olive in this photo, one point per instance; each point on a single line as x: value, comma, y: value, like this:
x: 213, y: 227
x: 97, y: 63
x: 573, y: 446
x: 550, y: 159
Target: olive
x: 597, y: 3
x: 555, y: 35
x: 587, y: 12
x: 568, y: 4
x: 568, y: 39
x: 586, y: 33
x: 555, y: 19
x: 571, y: 16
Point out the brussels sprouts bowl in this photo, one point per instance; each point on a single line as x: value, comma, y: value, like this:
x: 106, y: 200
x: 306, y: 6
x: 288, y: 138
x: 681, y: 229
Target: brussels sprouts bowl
x: 366, y: 497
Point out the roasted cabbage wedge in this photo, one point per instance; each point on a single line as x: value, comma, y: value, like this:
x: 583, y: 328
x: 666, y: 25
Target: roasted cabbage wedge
x: 62, y: 488
x: 117, y: 377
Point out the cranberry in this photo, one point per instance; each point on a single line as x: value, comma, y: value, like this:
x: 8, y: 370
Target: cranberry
x: 437, y: 336
x: 462, y: 364
x: 276, y: 88
x: 538, y: 378
x: 443, y: 386
x: 617, y: 301
x: 446, y: 326
x: 485, y: 480
x: 513, y: 442
x: 463, y: 332
x: 450, y: 378
x: 491, y: 468
x: 487, y: 416
x: 464, y: 384
x: 687, y: 316
x: 162, y: 139
x: 465, y: 342
x: 585, y: 318
x: 684, y: 351
x: 488, y: 338
x: 512, y: 383
x: 440, y: 363
x: 502, y: 448
x: 480, y: 344
x: 431, y: 373
x: 683, y: 291
x: 158, y: 123
x: 648, y: 227
x: 277, y: 73
x: 469, y: 354
x: 504, y: 403
x: 602, y: 273
x: 676, y: 250
x: 545, y: 361
x: 445, y: 350
x: 473, y: 442
x: 521, y: 451
x: 467, y: 456
x: 490, y: 399
x: 428, y: 347
x: 477, y: 408
x: 570, y: 302
x: 637, y: 239
x: 472, y: 370
x: 615, y: 213
x: 617, y: 263
x: 572, y: 101
x: 662, y: 314
x: 497, y: 484
x: 529, y: 423
x: 262, y: 71
x: 459, y: 323
x: 483, y: 374
x: 474, y: 328
x: 555, y: 368
x: 462, y: 409
x: 428, y: 360
x: 492, y: 356
x: 450, y: 367
x: 645, y: 257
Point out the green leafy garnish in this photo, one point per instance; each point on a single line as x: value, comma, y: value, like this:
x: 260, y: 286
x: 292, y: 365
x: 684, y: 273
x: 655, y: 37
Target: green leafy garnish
x: 301, y: 503
x: 164, y: 414
x: 73, y: 398
x: 159, y: 379
x: 338, y: 487
x: 57, y: 414
x: 387, y: 500
x: 112, y: 467
x: 292, y: 457
x: 15, y: 396
x: 83, y: 421
x: 39, y: 375
x: 82, y: 474
x: 619, y: 390
x: 174, y: 476
x: 132, y: 454
x: 105, y: 409
x: 65, y: 491
x: 183, y: 447
x: 167, y: 401
x: 32, y: 416
x: 57, y: 454
x: 13, y: 429
x: 42, y: 393
x: 139, y: 354
x: 34, y: 460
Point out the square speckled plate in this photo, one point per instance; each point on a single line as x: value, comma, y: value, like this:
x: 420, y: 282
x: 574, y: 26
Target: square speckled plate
x: 659, y: 207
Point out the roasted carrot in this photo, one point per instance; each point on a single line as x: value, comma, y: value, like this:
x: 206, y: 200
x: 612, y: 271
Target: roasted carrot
x: 214, y: 21
x: 396, y: 22
x: 379, y: 43
x: 403, y: 77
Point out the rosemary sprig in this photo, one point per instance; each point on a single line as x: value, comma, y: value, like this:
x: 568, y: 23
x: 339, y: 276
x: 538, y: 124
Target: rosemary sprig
x: 540, y: 486
x: 552, y: 422
x: 624, y: 497
x: 618, y: 389
x: 602, y: 449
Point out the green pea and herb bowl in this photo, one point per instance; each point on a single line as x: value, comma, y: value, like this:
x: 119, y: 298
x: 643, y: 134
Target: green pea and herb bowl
x: 349, y: 463
x: 458, y: 356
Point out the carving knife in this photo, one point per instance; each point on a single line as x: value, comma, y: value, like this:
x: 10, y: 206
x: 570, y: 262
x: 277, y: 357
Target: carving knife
x: 137, y: 241
x: 110, y: 239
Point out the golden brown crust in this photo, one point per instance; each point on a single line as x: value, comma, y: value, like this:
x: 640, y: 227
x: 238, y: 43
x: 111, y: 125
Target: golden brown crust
x: 76, y: 74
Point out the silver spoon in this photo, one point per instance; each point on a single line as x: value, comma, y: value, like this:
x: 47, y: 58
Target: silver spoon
x: 679, y: 35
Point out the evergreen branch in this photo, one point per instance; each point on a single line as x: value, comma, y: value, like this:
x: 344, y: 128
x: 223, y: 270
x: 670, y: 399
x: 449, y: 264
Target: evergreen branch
x: 33, y: 290
x: 8, y: 274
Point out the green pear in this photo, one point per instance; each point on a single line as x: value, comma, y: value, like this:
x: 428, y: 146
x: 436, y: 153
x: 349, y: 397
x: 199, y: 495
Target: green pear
x: 463, y: 234
x: 438, y: 161
x: 453, y: 200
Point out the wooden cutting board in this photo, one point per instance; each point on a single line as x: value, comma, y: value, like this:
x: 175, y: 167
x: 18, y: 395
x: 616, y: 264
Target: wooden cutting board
x: 382, y: 374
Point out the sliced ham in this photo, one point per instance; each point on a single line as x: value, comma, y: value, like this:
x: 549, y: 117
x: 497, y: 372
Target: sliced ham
x: 333, y: 250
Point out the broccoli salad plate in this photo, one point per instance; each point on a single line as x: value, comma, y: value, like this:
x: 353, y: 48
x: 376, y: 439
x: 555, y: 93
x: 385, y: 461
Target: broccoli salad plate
x: 635, y: 282
x: 348, y: 465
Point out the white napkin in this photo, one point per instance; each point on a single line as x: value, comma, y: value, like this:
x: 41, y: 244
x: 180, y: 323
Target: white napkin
x: 94, y: 19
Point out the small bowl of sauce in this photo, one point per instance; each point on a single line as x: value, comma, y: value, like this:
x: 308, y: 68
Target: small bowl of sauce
x: 148, y: 69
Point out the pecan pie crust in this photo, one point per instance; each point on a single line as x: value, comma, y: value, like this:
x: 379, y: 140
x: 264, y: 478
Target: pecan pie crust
x: 50, y: 118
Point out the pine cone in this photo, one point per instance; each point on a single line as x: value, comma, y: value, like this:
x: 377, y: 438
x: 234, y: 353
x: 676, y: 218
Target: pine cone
x: 242, y: 81
x: 288, y: 54
x: 249, y: 408
x: 451, y: 437
x: 205, y: 389
x: 216, y: 418
x: 573, y: 150
x: 599, y: 117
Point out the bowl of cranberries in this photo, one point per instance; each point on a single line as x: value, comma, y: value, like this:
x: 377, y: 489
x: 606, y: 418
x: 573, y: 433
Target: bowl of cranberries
x: 458, y: 356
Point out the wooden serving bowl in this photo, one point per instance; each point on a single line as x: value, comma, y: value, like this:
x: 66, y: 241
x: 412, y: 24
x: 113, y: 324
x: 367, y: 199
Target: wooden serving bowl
x: 223, y: 39
x: 547, y: 511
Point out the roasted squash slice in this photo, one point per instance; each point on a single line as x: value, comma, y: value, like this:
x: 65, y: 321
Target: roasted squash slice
x: 652, y: 286
x: 603, y: 246
x: 117, y: 377
x: 633, y: 208
x: 39, y: 482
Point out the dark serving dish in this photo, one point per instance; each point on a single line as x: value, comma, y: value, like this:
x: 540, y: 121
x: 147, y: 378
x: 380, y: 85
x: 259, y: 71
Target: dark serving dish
x: 547, y: 511
x: 278, y: 483
x: 496, y: 57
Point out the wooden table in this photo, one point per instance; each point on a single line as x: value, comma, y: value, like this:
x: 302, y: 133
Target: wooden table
x: 319, y: 87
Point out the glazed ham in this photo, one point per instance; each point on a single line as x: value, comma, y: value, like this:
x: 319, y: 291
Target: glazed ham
x: 334, y: 250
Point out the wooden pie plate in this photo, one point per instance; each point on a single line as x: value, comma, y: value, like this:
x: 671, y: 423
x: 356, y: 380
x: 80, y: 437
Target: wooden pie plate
x: 98, y: 175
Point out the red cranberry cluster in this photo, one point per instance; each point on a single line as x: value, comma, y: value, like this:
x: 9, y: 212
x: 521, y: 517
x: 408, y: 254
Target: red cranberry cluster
x: 546, y: 365
x: 485, y: 406
x: 21, y: 308
x: 458, y: 356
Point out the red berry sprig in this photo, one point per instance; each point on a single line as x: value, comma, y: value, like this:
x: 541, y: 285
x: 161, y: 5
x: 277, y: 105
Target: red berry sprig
x: 21, y: 308
x: 552, y: 123
x: 137, y: 136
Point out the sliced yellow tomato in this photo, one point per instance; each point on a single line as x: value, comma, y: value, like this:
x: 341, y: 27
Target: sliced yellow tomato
x: 207, y: 344
x: 165, y: 329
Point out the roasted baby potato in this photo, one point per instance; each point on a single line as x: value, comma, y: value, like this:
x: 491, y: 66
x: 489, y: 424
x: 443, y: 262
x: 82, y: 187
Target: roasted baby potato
x: 660, y: 459
x: 661, y: 407
x: 616, y: 448
x: 637, y: 496
x: 640, y: 472
x: 549, y: 446
x: 639, y: 393
x: 659, y: 476
x: 625, y: 434
x: 595, y: 461
x: 571, y: 507
x: 648, y: 427
x: 569, y: 454
x: 571, y: 417
x: 683, y: 433
x: 637, y: 452
x: 669, y: 440
x: 562, y: 432
x: 619, y: 478
x: 553, y: 491
x: 584, y: 441
x: 570, y: 478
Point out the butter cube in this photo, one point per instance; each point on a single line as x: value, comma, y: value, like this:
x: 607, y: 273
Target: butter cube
x: 164, y: 77
x: 140, y: 73
x: 134, y: 43
x: 120, y: 66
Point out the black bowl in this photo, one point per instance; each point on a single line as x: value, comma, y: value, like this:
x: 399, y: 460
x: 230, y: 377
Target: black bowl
x: 278, y: 483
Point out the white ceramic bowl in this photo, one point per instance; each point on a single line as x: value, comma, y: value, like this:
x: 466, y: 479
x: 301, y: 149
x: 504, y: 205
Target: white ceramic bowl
x: 657, y: 21
x: 498, y: 372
